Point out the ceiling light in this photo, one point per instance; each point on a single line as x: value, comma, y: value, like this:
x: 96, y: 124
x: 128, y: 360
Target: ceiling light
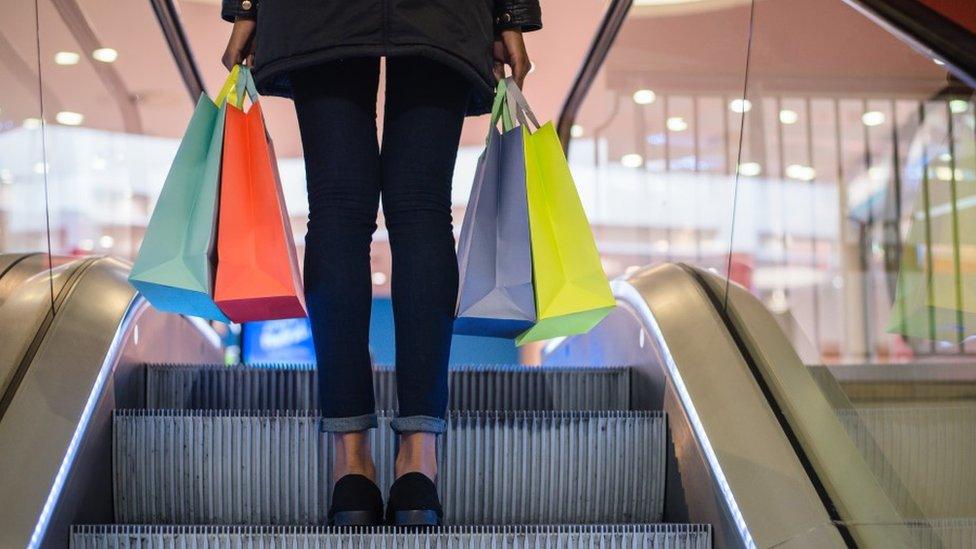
x: 644, y: 97
x: 576, y: 130
x: 803, y: 173
x: 632, y: 160
x: 958, y: 106
x: 379, y: 278
x: 105, y: 55
x: 786, y: 116
x: 873, y: 118
x: 740, y: 105
x: 69, y: 118
x: 677, y: 124
x: 106, y: 241
x: 750, y: 169
x: 32, y: 123
x: 66, y: 58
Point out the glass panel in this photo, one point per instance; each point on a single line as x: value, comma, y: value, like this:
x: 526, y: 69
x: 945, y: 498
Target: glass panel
x: 655, y: 141
x: 856, y: 220
x: 23, y: 226
x: 116, y: 116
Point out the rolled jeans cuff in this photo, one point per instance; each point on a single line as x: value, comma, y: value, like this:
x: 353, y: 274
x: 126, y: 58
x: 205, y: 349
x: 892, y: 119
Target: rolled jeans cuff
x: 425, y: 424
x: 347, y: 424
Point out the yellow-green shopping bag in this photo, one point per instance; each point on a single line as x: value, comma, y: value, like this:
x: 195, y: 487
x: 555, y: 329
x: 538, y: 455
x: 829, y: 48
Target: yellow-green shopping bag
x: 572, y: 294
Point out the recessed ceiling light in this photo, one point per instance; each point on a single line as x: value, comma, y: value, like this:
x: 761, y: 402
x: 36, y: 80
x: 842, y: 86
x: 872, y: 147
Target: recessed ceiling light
x: 740, y: 105
x: 958, y: 106
x: 677, y: 124
x: 750, y: 169
x: 873, y: 118
x: 803, y: 173
x: 644, y: 97
x: 576, y: 130
x: 32, y: 123
x: 106, y: 241
x: 379, y: 278
x: 105, y: 55
x: 69, y: 118
x: 632, y: 160
x: 66, y: 58
x: 786, y: 116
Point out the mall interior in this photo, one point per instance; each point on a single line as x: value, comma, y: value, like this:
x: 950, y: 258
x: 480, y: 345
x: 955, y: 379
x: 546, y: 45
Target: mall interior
x: 782, y: 194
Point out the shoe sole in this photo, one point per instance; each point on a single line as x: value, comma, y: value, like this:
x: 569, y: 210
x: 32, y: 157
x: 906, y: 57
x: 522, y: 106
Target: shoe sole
x: 356, y: 518
x: 417, y: 517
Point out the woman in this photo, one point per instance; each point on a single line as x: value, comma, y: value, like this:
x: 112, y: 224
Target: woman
x: 442, y: 60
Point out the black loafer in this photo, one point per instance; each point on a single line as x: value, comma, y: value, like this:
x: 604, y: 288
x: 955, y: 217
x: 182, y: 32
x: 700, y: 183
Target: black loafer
x: 356, y: 501
x: 413, y: 502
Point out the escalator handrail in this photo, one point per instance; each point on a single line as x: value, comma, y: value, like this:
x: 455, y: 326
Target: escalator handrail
x: 926, y: 29
x: 606, y: 35
x: 179, y: 46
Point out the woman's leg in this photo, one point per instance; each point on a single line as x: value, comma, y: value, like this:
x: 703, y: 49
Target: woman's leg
x: 425, y: 108
x: 336, y: 107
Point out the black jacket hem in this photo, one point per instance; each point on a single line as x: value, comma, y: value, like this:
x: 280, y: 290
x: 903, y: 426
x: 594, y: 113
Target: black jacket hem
x: 272, y: 77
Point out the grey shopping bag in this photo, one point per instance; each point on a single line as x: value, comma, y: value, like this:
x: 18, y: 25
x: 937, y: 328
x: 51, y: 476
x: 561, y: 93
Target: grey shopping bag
x: 496, y: 296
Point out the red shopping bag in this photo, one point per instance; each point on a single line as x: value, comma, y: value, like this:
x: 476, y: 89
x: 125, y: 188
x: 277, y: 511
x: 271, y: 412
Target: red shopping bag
x: 257, y: 266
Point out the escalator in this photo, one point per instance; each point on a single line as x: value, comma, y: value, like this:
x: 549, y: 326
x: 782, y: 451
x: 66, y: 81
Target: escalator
x: 689, y: 418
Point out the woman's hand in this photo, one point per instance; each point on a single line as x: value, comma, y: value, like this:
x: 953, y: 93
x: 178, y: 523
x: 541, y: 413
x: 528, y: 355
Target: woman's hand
x: 509, y: 49
x: 240, y: 46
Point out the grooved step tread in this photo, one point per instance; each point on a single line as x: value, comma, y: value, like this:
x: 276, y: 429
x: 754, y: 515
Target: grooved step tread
x: 542, y: 467
x: 672, y: 536
x: 473, y: 387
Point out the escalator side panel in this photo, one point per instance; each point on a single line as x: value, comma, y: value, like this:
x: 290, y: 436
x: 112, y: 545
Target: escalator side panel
x: 56, y: 431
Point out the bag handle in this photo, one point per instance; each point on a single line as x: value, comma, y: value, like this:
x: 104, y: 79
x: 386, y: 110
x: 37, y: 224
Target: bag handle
x: 227, y: 91
x: 500, y: 111
x: 245, y: 86
x: 518, y: 104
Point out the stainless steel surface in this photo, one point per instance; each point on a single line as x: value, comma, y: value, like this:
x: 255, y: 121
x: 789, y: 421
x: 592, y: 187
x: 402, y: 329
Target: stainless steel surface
x: 647, y: 536
x: 472, y: 387
x: 56, y: 434
x: 733, y: 465
x: 212, y: 467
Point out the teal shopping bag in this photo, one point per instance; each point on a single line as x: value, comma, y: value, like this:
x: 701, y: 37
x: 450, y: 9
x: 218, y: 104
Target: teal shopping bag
x: 174, y: 269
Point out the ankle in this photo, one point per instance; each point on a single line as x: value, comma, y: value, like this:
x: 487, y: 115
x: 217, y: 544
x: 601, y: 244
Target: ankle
x: 417, y: 453
x: 353, y: 456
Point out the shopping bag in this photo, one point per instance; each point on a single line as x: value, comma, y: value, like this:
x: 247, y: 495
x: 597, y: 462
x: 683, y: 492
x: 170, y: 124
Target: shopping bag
x: 495, y: 296
x: 257, y: 269
x: 572, y: 294
x: 935, y: 295
x: 174, y: 268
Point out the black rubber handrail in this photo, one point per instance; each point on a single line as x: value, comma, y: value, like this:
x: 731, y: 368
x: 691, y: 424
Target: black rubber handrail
x: 179, y: 46
x: 927, y: 30
x: 604, y: 38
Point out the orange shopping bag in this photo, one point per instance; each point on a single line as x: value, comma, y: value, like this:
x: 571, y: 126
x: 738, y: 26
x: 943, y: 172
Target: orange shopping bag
x: 257, y: 267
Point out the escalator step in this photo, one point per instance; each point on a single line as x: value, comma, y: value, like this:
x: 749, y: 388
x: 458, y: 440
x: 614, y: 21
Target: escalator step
x: 290, y: 387
x: 648, y: 536
x: 213, y: 467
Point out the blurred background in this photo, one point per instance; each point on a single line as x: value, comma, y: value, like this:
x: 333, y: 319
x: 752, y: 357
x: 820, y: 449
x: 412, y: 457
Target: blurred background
x: 804, y: 182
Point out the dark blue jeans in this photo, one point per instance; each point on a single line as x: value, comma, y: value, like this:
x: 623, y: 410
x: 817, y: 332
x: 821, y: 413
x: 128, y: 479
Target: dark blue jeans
x: 347, y: 173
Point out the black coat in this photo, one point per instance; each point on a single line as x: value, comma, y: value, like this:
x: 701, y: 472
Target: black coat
x: 292, y: 34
